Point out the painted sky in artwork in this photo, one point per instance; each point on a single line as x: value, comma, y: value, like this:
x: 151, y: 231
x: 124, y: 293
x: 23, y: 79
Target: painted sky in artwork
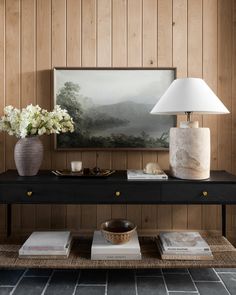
x: 109, y: 87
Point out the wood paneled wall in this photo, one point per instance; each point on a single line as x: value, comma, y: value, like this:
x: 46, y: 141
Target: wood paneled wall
x: 196, y: 36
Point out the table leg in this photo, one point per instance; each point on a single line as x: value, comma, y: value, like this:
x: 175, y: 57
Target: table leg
x: 223, y: 215
x: 9, y: 215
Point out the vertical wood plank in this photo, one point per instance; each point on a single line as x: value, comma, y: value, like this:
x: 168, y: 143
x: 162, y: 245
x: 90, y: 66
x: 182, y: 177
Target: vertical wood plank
x: 104, y: 33
x: 224, y: 82
x: 231, y: 225
x: 43, y: 92
x: 165, y: 35
x: 12, y: 85
x: 2, y: 80
x: 119, y: 33
x: 195, y: 70
x: 73, y: 45
x: 150, y: 33
x: 2, y: 102
x: 234, y: 91
x: 28, y: 83
x: 134, y: 33
x: 225, y: 33
x: 73, y: 35
x: 43, y: 64
x: 88, y: 33
x: 104, y: 41
x: 180, y: 61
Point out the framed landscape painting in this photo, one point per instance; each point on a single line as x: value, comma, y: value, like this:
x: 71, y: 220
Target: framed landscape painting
x: 111, y: 107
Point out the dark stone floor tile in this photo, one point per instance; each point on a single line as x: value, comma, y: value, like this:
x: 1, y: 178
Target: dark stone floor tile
x: 179, y: 282
x: 5, y: 290
x: 90, y: 290
x: 38, y: 272
x: 229, y: 280
x: 121, y: 280
x: 151, y: 286
x: 31, y: 286
x: 203, y: 274
x: 9, y: 277
x: 175, y: 270
x: 93, y: 276
x: 62, y: 282
x: 211, y: 288
x: 225, y: 270
x: 155, y: 272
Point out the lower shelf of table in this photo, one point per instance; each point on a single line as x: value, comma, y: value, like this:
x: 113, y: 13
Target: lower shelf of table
x: 223, y: 251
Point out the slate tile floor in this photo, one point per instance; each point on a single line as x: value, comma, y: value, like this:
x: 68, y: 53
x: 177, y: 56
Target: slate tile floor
x: 118, y: 282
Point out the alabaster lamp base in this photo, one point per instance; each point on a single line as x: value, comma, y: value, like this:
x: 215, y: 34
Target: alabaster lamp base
x: 190, y: 153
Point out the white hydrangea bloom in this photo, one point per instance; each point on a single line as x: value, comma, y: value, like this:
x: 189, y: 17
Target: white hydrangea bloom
x: 33, y: 120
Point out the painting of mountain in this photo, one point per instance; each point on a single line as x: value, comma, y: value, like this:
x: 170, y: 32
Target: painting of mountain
x: 111, y: 108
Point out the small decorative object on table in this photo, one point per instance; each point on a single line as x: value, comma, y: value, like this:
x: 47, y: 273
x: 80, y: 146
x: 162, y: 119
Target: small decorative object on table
x: 85, y: 172
x: 118, y: 231
x: 27, y: 125
x: 152, y: 171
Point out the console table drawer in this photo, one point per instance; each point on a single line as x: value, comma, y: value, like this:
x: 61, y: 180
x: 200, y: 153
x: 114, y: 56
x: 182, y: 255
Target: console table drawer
x: 198, y: 193
x: 80, y: 193
x: 34, y: 193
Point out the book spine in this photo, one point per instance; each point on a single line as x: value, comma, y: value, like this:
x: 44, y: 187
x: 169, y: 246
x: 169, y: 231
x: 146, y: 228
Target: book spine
x: 116, y: 257
x: 186, y: 257
x: 115, y: 251
x: 187, y: 249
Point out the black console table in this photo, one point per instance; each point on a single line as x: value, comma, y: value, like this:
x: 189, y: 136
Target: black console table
x: 46, y: 188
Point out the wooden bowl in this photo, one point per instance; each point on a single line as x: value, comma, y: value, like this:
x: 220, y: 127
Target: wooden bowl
x: 118, y: 231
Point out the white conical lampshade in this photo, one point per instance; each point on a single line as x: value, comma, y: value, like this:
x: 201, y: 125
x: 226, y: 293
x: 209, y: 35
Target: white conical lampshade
x: 189, y: 95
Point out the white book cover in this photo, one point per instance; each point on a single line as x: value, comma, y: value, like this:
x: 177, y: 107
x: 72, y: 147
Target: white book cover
x: 137, y: 256
x: 47, y: 241
x: 101, y: 246
x: 140, y: 175
x: 183, y: 241
x: 174, y: 252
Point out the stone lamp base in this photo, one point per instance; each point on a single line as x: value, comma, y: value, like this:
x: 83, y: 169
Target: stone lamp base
x: 190, y: 153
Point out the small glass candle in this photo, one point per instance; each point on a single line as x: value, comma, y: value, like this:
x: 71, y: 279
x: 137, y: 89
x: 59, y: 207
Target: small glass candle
x: 76, y: 166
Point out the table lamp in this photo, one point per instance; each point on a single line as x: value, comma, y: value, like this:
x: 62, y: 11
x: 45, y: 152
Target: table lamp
x: 189, y: 145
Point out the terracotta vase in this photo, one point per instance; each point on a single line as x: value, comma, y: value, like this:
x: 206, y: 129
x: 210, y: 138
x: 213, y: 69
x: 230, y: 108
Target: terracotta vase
x: 28, y: 155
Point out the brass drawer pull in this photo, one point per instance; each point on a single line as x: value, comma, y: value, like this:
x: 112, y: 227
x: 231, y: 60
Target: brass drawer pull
x: 29, y: 193
x: 204, y: 193
x: 117, y: 194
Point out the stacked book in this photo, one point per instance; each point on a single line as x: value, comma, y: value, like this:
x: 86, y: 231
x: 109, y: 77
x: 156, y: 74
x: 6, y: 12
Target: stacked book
x: 141, y: 175
x: 103, y: 250
x: 183, y: 246
x: 47, y: 245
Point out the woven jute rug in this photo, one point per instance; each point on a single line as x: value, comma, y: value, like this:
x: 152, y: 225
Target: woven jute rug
x: 223, y: 251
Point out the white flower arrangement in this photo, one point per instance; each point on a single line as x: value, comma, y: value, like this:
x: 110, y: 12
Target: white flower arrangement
x: 33, y: 121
